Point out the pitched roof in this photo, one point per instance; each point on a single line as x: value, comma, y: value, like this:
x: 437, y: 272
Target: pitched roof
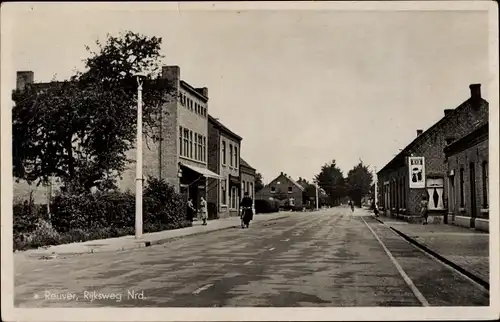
x: 295, y: 183
x: 478, y: 135
x: 245, y: 164
x: 421, y: 137
x: 222, y: 127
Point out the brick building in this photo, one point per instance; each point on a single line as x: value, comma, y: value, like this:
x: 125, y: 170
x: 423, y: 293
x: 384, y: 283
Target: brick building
x: 247, y: 175
x: 395, y: 195
x: 180, y: 157
x: 284, y: 189
x: 224, y: 159
x: 467, y: 180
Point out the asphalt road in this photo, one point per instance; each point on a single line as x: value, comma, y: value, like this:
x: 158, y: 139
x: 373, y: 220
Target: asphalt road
x: 326, y: 258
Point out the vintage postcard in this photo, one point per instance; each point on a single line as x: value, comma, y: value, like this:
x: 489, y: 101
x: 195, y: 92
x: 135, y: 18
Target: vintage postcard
x: 227, y: 161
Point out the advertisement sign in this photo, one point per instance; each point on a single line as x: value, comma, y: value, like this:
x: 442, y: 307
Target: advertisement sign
x: 416, y: 167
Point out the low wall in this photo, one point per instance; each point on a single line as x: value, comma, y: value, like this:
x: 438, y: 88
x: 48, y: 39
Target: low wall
x: 482, y: 224
x: 462, y: 221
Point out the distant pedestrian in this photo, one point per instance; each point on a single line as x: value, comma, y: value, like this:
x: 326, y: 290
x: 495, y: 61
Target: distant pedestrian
x: 351, y: 203
x: 424, y: 210
x: 204, y: 211
x: 190, y: 211
x: 375, y: 208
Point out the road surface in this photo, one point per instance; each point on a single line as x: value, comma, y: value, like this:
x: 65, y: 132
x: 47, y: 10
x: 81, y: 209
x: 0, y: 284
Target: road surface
x: 329, y: 258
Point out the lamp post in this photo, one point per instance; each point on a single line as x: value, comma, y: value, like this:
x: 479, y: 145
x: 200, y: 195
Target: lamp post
x: 376, y: 186
x: 138, y: 169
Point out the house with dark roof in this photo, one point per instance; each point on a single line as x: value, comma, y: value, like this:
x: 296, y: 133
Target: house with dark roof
x: 224, y: 195
x: 284, y: 189
x: 247, y: 175
x: 420, y: 169
x: 467, y: 160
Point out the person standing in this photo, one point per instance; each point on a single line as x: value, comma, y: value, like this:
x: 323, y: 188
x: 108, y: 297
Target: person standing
x: 424, y: 209
x: 190, y: 211
x: 204, y: 211
x: 352, y: 205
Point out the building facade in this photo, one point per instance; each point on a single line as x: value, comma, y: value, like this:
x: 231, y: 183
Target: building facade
x: 285, y: 190
x: 467, y: 180
x: 420, y: 169
x: 247, y: 175
x: 224, y: 159
x: 180, y: 156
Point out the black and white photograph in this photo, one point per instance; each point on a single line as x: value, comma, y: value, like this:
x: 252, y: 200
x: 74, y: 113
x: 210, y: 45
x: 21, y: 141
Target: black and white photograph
x: 247, y: 161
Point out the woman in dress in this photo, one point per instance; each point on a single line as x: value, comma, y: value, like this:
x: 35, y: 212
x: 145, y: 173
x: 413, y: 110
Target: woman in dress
x: 204, y: 211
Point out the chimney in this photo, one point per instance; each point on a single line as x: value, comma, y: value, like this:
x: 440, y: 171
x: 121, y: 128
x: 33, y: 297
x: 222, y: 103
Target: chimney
x: 475, y: 91
x: 171, y: 73
x: 448, y: 111
x: 419, y: 132
x: 281, y: 172
x: 24, y: 78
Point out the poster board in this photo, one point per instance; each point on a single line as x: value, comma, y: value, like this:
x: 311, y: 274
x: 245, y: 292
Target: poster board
x: 416, y: 168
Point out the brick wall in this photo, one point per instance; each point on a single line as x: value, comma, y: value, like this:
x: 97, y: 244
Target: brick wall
x: 282, y: 189
x: 476, y: 154
x: 213, y: 147
x: 465, y: 118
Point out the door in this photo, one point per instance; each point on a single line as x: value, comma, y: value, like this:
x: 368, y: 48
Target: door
x: 472, y: 180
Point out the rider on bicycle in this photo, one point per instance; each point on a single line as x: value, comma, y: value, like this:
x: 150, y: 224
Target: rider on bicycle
x: 246, y: 210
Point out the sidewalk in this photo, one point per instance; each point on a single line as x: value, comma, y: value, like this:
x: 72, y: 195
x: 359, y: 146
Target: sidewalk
x: 466, y: 248
x: 129, y: 242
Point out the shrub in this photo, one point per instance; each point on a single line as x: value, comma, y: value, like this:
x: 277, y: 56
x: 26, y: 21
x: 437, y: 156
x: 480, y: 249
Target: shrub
x: 266, y: 206
x: 87, y: 216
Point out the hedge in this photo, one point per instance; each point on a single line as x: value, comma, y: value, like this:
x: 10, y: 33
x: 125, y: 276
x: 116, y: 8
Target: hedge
x: 266, y: 206
x: 83, y: 217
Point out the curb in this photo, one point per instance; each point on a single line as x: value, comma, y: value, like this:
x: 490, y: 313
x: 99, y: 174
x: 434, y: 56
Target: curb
x: 138, y: 245
x: 457, y: 267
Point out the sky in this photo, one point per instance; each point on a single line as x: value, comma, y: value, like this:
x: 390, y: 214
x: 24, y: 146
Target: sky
x: 302, y: 87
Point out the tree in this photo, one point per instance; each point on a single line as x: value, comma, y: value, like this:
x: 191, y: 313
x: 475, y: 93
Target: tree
x: 331, y: 180
x: 359, y: 181
x: 80, y: 129
x: 258, y: 182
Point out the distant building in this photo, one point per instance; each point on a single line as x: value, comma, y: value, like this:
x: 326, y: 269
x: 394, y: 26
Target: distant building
x: 247, y: 174
x: 224, y: 159
x: 420, y: 169
x: 285, y: 190
x: 467, y: 181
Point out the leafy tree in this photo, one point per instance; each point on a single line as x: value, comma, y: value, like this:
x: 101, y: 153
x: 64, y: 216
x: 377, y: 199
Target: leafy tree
x: 80, y: 129
x: 258, y: 182
x: 331, y: 180
x: 359, y: 181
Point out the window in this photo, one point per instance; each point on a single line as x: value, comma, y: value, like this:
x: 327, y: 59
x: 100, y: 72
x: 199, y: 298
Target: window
x: 180, y: 140
x: 195, y: 146
x: 462, y: 201
x: 182, y: 99
x: 243, y: 187
x: 251, y: 189
x: 204, y: 112
x: 186, y: 143
x: 223, y: 152
x: 290, y: 190
x: 248, y: 187
x: 231, y: 154
x: 485, y: 184
x: 204, y: 149
x: 191, y: 144
x: 236, y: 157
x: 200, y: 147
x: 273, y: 189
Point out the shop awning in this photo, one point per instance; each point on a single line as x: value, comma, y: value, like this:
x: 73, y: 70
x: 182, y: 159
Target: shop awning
x: 203, y: 171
